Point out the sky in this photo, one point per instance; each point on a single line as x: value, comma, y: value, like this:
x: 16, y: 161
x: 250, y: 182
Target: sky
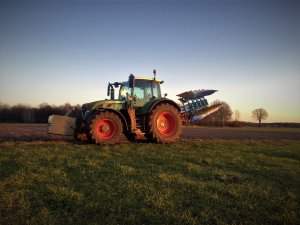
x: 67, y: 51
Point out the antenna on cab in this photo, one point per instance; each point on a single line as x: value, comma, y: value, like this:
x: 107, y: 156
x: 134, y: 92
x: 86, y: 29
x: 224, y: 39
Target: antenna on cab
x: 154, y: 73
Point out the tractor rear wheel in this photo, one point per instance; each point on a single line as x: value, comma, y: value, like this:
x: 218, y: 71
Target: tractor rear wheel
x: 164, y: 124
x: 105, y: 128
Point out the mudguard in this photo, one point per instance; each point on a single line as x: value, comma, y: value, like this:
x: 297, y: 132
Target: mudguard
x: 149, y: 106
x: 121, y: 116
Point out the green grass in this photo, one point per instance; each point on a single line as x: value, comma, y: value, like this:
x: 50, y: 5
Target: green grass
x: 232, y: 182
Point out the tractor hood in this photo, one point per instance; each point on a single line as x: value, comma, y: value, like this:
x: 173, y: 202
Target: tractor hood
x: 113, y: 104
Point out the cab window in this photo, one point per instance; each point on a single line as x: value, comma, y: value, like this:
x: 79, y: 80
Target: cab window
x: 156, y: 90
x: 142, y: 89
x: 123, y: 90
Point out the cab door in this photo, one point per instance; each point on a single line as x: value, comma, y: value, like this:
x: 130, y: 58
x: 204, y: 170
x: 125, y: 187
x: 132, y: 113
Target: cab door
x: 142, y: 92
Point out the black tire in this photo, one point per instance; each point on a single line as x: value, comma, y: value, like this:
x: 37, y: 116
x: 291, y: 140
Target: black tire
x: 105, y: 128
x: 79, y: 134
x: 164, y: 124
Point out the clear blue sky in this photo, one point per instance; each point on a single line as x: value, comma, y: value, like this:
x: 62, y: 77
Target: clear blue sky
x: 67, y: 51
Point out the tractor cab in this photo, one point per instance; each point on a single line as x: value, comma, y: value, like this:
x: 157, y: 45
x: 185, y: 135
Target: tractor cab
x: 137, y: 91
x: 140, y: 91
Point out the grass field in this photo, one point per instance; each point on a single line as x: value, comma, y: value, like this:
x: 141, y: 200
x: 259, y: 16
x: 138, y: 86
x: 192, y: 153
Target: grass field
x: 225, y: 182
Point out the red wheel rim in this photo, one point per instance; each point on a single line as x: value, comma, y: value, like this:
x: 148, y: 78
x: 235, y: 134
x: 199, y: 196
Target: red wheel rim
x: 166, y: 124
x: 106, y: 128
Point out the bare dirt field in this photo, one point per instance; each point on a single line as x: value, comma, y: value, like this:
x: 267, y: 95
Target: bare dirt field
x: 28, y: 132
x: 38, y: 132
x: 226, y: 133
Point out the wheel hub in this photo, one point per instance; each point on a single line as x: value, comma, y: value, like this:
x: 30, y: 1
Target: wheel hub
x: 162, y: 124
x: 105, y: 128
x: 166, y: 124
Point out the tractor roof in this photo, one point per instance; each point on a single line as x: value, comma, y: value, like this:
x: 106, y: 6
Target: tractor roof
x: 146, y: 78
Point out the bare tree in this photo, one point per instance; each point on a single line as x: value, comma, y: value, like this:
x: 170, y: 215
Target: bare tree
x: 222, y: 116
x: 259, y: 114
x: 237, y: 115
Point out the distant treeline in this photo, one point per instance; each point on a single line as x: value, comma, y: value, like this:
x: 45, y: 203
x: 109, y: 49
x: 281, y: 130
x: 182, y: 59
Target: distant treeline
x: 27, y: 114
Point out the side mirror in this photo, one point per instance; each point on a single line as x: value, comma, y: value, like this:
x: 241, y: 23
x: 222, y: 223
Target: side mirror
x: 131, y: 81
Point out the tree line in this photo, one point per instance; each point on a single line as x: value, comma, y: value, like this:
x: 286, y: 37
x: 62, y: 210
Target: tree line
x: 22, y: 113
x: 224, y: 117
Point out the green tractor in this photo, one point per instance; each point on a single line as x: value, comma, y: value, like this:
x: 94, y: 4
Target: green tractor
x: 139, y: 112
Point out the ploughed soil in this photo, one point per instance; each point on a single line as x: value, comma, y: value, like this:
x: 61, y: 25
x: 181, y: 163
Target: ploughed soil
x: 38, y: 132
x: 226, y: 133
x: 28, y: 132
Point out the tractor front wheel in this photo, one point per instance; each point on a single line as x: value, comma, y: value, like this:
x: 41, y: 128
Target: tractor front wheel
x: 164, y: 124
x: 105, y: 128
